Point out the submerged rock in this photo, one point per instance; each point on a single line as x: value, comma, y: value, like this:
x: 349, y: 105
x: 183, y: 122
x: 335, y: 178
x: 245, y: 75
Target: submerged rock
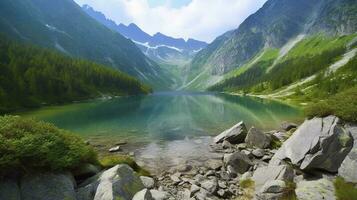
x: 234, y: 135
x: 257, y: 138
x: 319, y: 143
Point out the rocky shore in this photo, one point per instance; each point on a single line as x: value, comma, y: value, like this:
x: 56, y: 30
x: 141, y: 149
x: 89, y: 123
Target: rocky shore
x: 294, y: 162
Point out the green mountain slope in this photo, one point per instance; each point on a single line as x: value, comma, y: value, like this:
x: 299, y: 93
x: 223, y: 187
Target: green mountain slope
x: 62, y: 25
x: 31, y: 76
x: 279, y: 24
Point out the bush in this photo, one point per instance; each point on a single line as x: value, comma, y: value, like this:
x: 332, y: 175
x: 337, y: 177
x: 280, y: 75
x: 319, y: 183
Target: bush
x: 343, y: 105
x: 344, y: 190
x: 111, y: 161
x: 27, y: 145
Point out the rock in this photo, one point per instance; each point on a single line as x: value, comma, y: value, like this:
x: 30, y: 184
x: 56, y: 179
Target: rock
x: 222, y: 193
x: 176, y: 178
x: 184, y: 168
x: 144, y: 194
x: 315, y: 190
x: 240, y: 162
x: 185, y: 194
x: 159, y: 195
x: 270, y: 173
x: 275, y: 186
x: 246, y: 176
x: 9, y: 190
x: 287, y: 126
x: 210, y: 173
x: 214, y: 164
x: 118, y: 182
x: 241, y: 146
x: 224, y: 175
x: 85, y: 171
x: 46, y: 186
x: 232, y: 173
x: 257, y: 138
x: 148, y: 182
x: 259, y: 153
x: 319, y: 143
x: 234, y: 135
x: 114, y: 149
x: 348, y: 167
x: 282, y: 136
x: 194, y: 189
x: 210, y: 185
x: 266, y: 158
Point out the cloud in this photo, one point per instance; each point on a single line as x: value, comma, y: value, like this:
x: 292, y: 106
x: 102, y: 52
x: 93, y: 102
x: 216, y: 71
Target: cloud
x: 200, y: 19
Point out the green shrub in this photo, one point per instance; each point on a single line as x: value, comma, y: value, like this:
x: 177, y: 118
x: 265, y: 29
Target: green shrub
x: 343, y: 105
x: 27, y: 145
x: 344, y: 190
x: 111, y: 161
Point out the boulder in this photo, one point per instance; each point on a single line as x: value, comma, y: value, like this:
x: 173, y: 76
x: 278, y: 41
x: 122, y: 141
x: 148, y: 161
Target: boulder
x: 46, y: 186
x: 257, y: 138
x: 144, y: 194
x: 234, y: 135
x: 238, y: 161
x: 270, y: 173
x: 214, y: 164
x: 210, y: 185
x: 9, y: 190
x: 319, y: 143
x: 348, y: 167
x: 148, y: 182
x: 118, y: 182
x: 259, y: 153
x: 287, y: 126
x: 315, y: 190
x: 159, y: 195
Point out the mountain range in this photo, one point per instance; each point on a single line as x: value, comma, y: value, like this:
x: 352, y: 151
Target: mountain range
x: 62, y: 25
x: 278, y: 25
x: 159, y: 47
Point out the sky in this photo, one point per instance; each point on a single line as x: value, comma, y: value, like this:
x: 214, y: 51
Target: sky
x: 199, y: 19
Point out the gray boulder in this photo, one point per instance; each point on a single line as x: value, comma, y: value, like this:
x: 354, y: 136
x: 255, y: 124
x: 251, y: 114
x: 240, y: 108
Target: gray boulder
x: 118, y: 182
x: 258, y: 139
x: 270, y: 173
x: 234, y: 135
x: 348, y: 167
x: 319, y: 143
x: 144, y: 194
x: 238, y: 161
x: 315, y: 190
x: 148, y: 182
x: 47, y: 186
x: 9, y: 190
x: 159, y: 195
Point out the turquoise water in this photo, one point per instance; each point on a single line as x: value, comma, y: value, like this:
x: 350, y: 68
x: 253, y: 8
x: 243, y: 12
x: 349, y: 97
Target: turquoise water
x: 166, y: 116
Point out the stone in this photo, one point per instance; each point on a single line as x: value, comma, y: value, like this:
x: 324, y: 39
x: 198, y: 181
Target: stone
x: 210, y: 185
x: 159, y: 195
x: 114, y: 149
x: 241, y: 146
x: 266, y: 158
x: 118, y: 182
x: 222, y: 184
x: 44, y: 186
x: 226, y: 144
x: 259, y: 153
x: 144, y: 194
x: 348, y: 167
x: 287, y: 126
x: 274, y: 186
x: 281, y: 136
x: 234, y: 135
x: 222, y: 193
x: 315, y: 190
x: 184, y: 168
x: 194, y: 189
x: 270, y: 173
x: 224, y: 175
x: 257, y: 138
x: 246, y: 176
x: 210, y: 173
x: 232, y: 173
x: 148, y: 182
x: 214, y: 164
x: 176, y: 178
x: 85, y: 171
x: 240, y: 162
x: 319, y: 143
x: 9, y: 190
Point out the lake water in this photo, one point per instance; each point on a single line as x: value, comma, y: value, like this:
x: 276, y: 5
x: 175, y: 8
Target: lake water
x: 165, y: 129
x: 166, y: 116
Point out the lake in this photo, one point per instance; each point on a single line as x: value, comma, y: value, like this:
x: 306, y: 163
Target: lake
x: 167, y: 128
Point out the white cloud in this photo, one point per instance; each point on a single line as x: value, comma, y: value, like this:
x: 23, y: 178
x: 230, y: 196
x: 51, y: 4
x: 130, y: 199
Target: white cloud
x: 200, y: 19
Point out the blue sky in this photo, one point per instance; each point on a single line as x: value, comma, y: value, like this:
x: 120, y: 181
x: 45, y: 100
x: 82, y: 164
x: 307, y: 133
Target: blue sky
x: 199, y: 19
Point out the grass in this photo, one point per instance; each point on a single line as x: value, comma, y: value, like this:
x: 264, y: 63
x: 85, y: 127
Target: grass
x: 343, y: 105
x: 29, y: 145
x: 248, y: 189
x: 111, y: 161
x: 344, y: 190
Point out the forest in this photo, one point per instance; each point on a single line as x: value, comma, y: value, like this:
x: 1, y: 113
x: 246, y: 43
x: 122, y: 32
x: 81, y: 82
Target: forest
x: 31, y: 76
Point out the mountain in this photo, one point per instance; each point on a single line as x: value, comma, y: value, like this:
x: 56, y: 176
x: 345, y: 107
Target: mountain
x: 62, y: 25
x: 159, y: 47
x: 279, y: 25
